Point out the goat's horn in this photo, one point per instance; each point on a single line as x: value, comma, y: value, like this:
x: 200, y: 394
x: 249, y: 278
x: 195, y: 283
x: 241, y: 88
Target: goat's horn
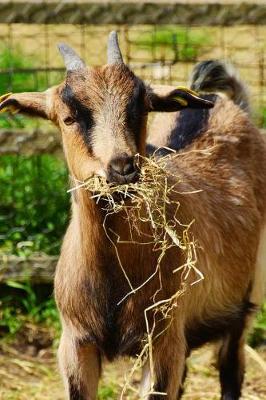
x: 72, y: 61
x: 114, y: 55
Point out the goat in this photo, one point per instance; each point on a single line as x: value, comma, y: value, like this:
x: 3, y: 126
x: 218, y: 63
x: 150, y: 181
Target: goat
x: 102, y: 114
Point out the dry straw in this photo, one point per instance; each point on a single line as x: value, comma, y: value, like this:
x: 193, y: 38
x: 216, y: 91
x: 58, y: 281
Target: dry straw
x: 150, y: 198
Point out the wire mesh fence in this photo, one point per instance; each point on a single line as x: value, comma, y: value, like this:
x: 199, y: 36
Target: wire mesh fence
x: 166, y: 54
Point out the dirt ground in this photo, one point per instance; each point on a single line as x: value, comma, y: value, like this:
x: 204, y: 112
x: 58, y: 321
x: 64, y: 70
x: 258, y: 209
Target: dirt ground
x: 31, y: 373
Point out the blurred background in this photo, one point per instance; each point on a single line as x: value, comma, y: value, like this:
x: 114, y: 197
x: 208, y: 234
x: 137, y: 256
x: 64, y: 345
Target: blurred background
x: 161, y: 41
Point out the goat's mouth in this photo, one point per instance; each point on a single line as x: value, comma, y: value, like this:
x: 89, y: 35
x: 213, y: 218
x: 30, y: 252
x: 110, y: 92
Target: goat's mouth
x: 114, y: 179
x: 104, y: 190
x: 122, y: 187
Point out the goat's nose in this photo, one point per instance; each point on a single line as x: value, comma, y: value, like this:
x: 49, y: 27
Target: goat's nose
x: 123, y: 166
x: 123, y: 169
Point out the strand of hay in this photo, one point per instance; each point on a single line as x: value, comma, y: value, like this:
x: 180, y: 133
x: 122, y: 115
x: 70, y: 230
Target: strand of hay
x: 150, y: 198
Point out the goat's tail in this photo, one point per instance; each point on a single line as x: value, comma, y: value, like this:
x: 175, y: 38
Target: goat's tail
x: 214, y: 76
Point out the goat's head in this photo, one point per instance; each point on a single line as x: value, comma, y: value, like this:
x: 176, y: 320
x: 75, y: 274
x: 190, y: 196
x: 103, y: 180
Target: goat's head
x: 102, y: 113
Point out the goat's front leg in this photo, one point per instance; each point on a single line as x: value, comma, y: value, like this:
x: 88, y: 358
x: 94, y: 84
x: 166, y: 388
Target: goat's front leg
x: 80, y: 366
x: 169, y: 357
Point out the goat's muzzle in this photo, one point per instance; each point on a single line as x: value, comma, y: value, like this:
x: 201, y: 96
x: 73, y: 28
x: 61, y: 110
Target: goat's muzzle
x: 122, y: 170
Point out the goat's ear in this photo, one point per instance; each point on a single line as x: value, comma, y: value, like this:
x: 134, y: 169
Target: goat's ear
x: 176, y: 100
x: 31, y: 103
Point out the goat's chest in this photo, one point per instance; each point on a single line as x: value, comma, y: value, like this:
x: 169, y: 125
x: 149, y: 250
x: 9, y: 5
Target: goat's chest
x: 105, y: 296
x: 121, y: 329
x: 91, y: 306
x: 104, y: 311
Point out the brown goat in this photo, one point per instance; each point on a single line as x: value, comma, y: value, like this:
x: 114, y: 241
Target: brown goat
x: 102, y: 113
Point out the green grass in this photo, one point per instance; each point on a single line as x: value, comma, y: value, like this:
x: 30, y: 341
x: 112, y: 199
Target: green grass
x: 176, y: 43
x: 34, y: 204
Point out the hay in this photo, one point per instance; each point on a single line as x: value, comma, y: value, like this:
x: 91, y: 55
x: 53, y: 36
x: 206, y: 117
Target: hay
x: 147, y: 202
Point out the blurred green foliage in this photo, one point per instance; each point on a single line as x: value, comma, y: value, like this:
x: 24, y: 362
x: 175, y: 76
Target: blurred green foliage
x: 19, y: 73
x: 176, y: 43
x: 22, y: 303
x: 10, y: 61
x: 258, y: 334
x: 108, y: 392
x: 34, y: 204
x: 264, y: 118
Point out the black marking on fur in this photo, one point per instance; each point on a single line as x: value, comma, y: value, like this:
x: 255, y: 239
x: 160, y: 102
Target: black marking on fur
x: 136, y: 110
x: 74, y: 390
x: 211, y: 75
x: 109, y: 337
x: 216, y: 328
x: 81, y: 113
x: 230, y: 368
x: 227, y: 327
x: 216, y: 76
x: 191, y: 123
x: 231, y: 375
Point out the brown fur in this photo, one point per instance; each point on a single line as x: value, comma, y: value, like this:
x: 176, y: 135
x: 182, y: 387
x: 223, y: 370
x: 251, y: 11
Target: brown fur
x: 226, y: 165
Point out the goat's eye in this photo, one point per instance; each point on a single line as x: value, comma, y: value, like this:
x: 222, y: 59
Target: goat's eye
x: 69, y: 120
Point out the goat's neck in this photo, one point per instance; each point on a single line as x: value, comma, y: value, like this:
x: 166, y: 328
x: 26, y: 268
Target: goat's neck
x: 92, y: 224
x: 96, y: 243
x: 87, y: 221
